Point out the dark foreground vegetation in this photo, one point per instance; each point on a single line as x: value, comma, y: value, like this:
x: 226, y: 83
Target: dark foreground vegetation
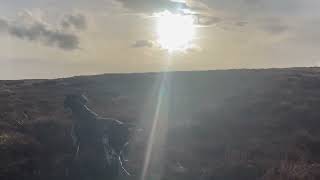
x: 230, y: 125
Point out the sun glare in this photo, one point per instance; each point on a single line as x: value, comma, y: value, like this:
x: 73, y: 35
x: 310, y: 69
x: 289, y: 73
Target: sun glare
x: 175, y: 31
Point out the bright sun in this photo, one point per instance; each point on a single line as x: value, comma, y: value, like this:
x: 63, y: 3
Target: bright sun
x: 175, y: 32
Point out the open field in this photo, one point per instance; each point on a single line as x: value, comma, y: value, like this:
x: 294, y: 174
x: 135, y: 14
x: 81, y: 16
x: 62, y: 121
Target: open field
x: 230, y: 125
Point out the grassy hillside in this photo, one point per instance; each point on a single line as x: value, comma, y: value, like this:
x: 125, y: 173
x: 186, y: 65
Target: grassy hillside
x: 231, y: 125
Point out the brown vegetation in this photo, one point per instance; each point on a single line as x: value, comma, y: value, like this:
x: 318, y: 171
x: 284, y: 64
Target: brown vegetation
x: 230, y: 125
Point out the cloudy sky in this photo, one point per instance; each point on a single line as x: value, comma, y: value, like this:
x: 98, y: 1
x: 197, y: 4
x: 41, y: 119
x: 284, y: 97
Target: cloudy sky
x: 54, y: 38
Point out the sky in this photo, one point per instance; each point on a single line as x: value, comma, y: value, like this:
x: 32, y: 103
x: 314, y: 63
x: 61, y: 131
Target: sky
x: 54, y: 38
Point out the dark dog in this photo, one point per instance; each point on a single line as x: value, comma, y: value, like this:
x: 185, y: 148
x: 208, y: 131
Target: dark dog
x: 98, y: 141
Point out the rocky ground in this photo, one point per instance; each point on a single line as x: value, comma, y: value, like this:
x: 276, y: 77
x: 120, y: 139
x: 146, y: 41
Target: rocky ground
x: 231, y: 125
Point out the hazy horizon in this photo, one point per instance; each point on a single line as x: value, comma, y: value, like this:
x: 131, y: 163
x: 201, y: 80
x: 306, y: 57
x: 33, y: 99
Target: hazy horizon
x: 50, y: 39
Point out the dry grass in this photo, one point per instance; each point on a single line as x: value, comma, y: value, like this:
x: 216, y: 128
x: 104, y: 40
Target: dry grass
x: 294, y: 171
x: 226, y: 125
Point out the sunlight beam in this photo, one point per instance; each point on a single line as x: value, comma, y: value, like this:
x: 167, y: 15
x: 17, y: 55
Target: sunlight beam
x: 159, y: 120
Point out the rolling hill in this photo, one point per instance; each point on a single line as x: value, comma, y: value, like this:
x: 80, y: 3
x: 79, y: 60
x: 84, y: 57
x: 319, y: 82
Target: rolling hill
x: 226, y: 124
